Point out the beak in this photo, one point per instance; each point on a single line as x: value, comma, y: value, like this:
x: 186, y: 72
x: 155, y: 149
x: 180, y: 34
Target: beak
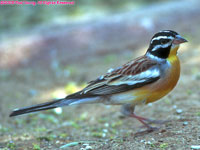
x: 178, y: 40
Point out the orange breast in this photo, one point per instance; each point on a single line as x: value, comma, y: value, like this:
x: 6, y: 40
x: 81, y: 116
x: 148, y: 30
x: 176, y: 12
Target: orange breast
x: 166, y: 84
x: 163, y: 86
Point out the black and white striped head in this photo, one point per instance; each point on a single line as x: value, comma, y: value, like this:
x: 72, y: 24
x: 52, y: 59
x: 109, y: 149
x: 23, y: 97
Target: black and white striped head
x: 164, y: 41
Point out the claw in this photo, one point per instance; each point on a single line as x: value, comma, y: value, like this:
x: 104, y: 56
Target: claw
x: 156, y: 121
x: 151, y: 129
x: 148, y: 130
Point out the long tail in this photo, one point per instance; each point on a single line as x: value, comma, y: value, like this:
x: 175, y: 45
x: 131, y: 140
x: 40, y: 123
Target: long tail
x: 53, y: 104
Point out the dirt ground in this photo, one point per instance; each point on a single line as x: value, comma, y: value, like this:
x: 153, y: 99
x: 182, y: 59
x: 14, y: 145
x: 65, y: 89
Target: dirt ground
x: 98, y: 126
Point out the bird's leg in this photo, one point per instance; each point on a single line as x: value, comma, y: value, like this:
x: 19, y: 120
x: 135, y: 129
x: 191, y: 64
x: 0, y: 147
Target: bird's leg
x: 142, y: 120
x: 128, y: 110
x: 149, y: 120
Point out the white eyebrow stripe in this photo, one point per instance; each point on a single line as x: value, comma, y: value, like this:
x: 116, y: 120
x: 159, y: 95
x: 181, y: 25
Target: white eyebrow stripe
x: 162, y: 37
x: 160, y: 46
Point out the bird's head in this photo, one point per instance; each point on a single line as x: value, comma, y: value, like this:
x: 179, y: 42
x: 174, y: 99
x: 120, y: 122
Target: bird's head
x: 165, y: 43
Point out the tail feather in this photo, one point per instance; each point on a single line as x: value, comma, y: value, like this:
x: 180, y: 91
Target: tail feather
x: 40, y: 107
x: 53, y: 104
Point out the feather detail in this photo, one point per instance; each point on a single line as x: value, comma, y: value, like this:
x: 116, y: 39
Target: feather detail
x: 133, y: 74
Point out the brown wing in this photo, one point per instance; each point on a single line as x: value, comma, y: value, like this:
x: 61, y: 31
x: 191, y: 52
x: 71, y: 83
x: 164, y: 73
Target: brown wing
x: 121, y: 79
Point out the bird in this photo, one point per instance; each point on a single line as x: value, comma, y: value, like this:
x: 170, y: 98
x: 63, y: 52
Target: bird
x: 143, y: 80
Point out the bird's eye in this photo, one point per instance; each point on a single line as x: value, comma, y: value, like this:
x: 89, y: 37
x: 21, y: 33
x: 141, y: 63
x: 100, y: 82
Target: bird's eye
x: 164, y: 41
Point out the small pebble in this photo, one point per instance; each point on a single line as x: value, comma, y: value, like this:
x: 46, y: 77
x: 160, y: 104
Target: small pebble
x: 174, y: 106
x: 105, y: 130
x: 179, y: 111
x: 103, y: 134
x: 185, y: 123
x: 88, y: 147
x: 142, y: 141
x: 58, y: 110
x: 195, y: 147
x: 85, y: 145
x: 106, y: 124
x: 148, y: 142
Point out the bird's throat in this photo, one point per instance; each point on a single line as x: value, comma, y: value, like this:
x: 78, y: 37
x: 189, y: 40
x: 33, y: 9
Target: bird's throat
x: 173, y: 51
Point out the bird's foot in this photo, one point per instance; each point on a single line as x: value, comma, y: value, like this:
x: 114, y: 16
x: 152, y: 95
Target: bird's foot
x: 148, y: 130
x: 150, y: 121
x: 151, y: 129
x: 146, y: 123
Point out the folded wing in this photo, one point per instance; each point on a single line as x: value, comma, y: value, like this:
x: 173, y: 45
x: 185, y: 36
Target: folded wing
x: 128, y: 77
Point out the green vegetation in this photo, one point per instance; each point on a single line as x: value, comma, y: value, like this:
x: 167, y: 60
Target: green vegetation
x: 36, y: 146
x: 11, y: 145
x: 163, y: 145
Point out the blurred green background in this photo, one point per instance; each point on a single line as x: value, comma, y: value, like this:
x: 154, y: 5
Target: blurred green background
x: 20, y: 18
